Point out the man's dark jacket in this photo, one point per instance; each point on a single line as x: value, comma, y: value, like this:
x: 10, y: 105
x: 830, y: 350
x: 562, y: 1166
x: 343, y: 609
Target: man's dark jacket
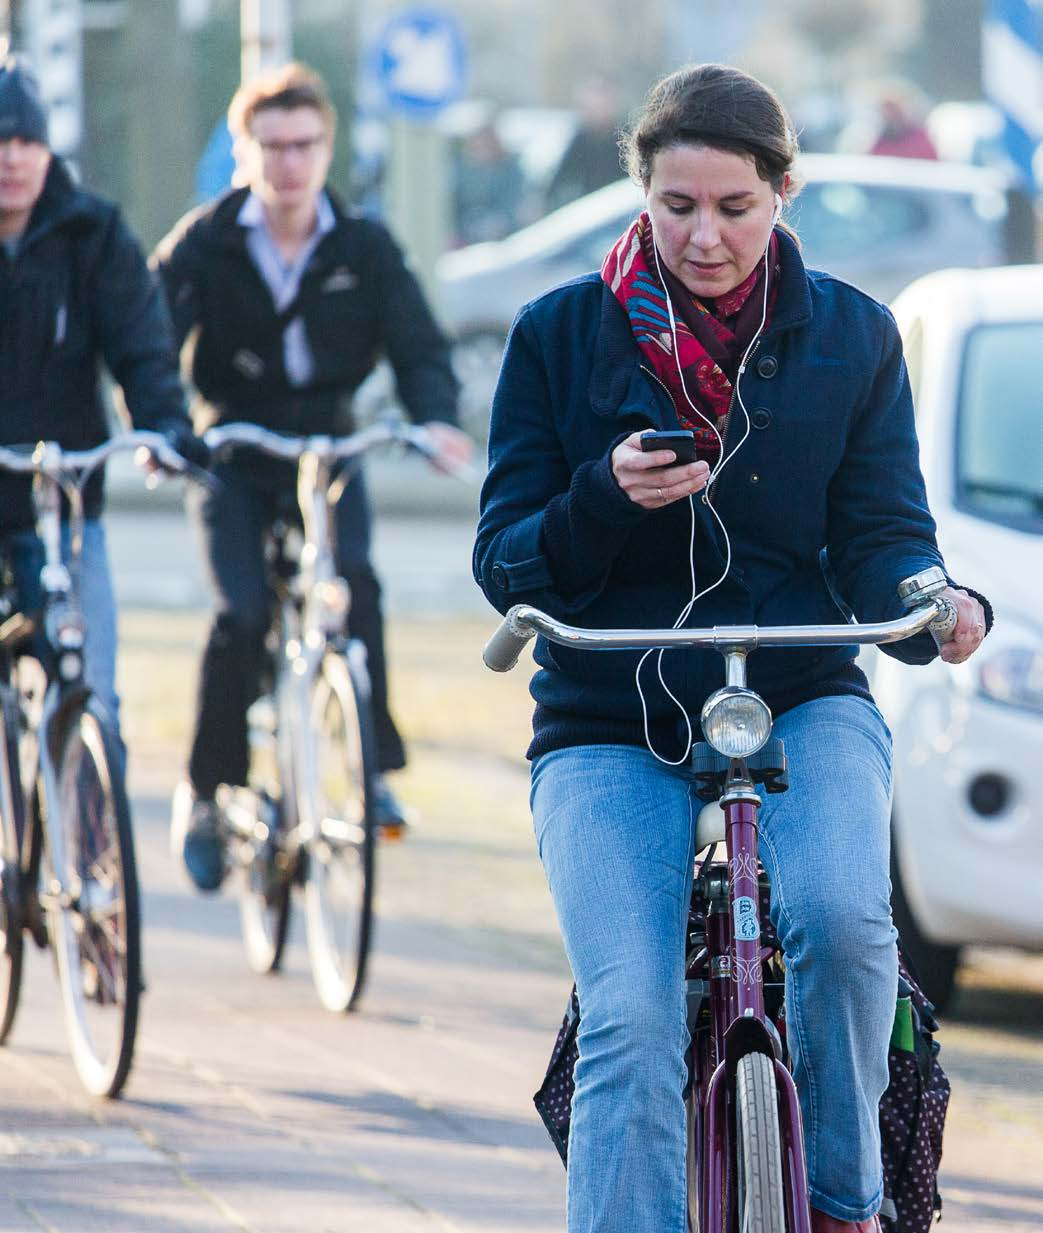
x: 357, y: 298
x: 830, y: 462
x: 78, y: 292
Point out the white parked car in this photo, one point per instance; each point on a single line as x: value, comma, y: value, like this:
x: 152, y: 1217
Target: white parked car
x: 968, y: 814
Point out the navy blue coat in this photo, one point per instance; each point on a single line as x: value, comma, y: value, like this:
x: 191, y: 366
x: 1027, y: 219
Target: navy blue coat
x: 831, y: 463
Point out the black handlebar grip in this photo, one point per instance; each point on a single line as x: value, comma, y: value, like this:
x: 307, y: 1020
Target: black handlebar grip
x: 507, y: 643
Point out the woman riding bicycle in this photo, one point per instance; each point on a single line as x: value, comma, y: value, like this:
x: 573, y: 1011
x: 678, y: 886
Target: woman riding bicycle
x: 806, y: 497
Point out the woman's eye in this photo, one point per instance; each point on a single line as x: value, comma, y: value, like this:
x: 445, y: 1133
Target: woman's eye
x: 679, y: 209
x: 734, y: 212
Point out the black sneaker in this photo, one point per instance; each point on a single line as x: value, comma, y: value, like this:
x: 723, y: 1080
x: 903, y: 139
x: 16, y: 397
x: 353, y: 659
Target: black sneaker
x: 389, y: 815
x: 204, y: 847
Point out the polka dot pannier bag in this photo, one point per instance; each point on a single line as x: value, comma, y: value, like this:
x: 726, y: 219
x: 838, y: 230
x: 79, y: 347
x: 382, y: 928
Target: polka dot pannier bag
x: 912, y: 1112
x: 912, y: 1116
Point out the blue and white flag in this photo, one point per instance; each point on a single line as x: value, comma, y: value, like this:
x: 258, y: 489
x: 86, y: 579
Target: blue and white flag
x: 1012, y: 77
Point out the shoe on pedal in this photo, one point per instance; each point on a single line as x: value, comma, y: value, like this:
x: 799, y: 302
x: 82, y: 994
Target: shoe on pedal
x: 389, y: 815
x: 203, y: 850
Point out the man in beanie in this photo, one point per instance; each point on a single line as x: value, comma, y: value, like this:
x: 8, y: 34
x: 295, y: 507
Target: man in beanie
x: 74, y: 290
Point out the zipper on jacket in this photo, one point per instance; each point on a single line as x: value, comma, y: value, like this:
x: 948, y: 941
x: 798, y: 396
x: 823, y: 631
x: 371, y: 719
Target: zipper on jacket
x: 724, y: 427
x: 725, y: 424
x: 661, y: 383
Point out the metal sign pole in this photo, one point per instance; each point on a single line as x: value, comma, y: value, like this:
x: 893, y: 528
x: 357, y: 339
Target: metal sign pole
x: 265, y: 35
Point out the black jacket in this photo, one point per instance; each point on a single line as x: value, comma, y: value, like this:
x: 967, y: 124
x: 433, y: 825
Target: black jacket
x: 357, y: 297
x: 78, y: 291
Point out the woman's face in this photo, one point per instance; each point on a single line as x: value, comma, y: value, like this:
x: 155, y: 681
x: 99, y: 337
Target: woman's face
x: 711, y: 216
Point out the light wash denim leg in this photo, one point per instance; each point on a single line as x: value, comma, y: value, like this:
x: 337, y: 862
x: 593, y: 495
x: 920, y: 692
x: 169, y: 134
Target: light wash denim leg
x: 96, y: 598
x: 826, y: 847
x: 615, y: 832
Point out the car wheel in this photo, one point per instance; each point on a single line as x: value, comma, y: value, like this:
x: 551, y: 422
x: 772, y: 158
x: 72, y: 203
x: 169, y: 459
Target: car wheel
x: 476, y: 361
x: 934, y: 964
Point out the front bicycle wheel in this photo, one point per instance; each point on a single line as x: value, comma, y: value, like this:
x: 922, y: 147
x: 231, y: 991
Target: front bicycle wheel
x: 12, y: 828
x: 339, y: 875
x: 762, y: 1206
x: 95, y: 924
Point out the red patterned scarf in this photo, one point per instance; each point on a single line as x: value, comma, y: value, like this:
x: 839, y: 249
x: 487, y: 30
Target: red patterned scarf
x: 712, y: 336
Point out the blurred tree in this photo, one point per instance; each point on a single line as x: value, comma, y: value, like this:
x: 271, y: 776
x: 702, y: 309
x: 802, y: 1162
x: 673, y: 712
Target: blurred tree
x: 611, y: 37
x: 157, y: 95
x: 946, y: 61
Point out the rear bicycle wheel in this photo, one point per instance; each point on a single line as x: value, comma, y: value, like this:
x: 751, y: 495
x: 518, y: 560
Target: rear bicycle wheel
x: 96, y: 931
x: 264, y: 892
x: 264, y: 895
x: 12, y: 829
x: 340, y: 862
x: 762, y: 1205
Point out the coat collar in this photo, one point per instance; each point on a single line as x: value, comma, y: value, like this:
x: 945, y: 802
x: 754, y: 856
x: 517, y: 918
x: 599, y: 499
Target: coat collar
x: 227, y: 231
x: 60, y: 202
x: 617, y: 358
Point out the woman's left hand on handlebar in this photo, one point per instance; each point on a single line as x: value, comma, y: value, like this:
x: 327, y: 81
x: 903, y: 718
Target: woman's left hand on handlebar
x: 970, y: 627
x: 453, y: 448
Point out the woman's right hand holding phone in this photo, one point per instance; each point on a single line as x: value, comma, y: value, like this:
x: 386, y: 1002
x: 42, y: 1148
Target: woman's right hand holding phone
x: 654, y: 478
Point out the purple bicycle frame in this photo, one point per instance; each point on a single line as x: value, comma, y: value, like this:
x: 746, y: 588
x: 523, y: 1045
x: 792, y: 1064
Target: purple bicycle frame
x: 736, y: 957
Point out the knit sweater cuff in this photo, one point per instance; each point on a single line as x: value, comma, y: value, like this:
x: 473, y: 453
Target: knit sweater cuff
x: 595, y: 490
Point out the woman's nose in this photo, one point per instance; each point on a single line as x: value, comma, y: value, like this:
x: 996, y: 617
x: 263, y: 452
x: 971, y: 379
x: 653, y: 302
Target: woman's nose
x: 705, y: 232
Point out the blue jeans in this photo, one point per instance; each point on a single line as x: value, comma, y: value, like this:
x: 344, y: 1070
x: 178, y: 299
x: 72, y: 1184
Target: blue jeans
x: 96, y: 599
x: 615, y: 833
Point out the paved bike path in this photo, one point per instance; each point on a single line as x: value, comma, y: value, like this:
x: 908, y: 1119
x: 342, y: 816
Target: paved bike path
x: 251, y: 1108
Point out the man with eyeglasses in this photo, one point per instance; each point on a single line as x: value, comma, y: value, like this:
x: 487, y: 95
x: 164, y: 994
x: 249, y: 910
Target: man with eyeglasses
x: 283, y: 302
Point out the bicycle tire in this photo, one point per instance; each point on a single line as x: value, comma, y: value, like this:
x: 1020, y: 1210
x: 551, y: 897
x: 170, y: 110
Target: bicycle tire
x: 762, y: 1203
x: 97, y: 937
x: 264, y: 915
x: 264, y: 893
x: 693, y: 1172
x: 12, y: 830
x: 340, y: 866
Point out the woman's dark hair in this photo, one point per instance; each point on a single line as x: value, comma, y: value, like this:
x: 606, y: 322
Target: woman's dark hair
x: 712, y: 105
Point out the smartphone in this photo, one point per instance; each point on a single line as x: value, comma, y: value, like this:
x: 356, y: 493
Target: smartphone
x: 681, y: 441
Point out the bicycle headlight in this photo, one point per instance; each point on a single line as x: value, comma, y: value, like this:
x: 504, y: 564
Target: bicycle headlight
x: 736, y: 722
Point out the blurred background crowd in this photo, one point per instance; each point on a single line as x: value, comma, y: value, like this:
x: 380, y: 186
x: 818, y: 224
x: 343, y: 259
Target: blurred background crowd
x: 530, y: 96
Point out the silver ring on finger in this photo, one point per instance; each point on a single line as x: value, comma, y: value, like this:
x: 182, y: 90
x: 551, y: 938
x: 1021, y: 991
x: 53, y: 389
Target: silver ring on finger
x: 661, y: 497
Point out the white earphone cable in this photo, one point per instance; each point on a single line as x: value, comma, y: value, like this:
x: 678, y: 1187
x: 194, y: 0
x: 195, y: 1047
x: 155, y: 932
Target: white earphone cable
x: 723, y: 460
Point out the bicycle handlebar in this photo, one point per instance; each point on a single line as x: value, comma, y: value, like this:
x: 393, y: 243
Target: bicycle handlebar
x: 523, y: 622
x: 327, y: 447
x: 48, y: 457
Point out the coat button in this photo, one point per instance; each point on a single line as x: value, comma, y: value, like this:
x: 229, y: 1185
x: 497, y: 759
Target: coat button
x: 761, y: 417
x: 767, y: 366
x: 755, y: 478
x: 500, y: 577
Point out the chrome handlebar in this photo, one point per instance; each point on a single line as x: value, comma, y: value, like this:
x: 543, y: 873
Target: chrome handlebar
x: 326, y: 447
x: 523, y: 622
x: 48, y: 458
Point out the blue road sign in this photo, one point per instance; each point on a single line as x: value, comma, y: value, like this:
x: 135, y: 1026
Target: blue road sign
x: 420, y: 62
x: 1012, y: 76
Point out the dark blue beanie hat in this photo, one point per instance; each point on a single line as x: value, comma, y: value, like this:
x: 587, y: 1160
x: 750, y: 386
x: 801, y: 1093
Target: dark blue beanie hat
x: 22, y: 113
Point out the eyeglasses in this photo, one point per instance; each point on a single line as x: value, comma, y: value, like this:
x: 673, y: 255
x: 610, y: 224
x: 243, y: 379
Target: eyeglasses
x: 302, y: 146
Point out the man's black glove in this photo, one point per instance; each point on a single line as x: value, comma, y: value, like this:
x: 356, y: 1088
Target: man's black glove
x: 192, y: 449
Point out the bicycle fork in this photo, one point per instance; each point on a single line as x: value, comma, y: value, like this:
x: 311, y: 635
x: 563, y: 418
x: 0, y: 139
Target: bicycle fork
x: 737, y: 955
